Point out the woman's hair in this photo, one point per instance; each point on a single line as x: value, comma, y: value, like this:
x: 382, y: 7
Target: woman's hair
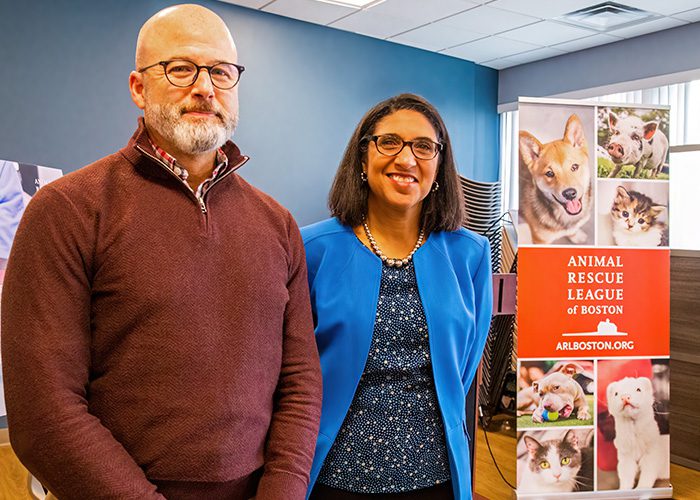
x: 442, y: 210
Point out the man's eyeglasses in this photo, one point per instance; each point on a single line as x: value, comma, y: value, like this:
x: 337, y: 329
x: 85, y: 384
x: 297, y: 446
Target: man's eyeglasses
x: 182, y: 73
x: 392, y: 145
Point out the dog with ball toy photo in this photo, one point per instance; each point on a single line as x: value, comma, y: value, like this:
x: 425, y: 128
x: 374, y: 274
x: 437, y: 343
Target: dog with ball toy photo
x: 551, y: 393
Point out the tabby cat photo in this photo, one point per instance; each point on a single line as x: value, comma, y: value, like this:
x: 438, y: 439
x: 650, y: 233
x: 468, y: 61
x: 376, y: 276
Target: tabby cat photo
x: 555, y: 461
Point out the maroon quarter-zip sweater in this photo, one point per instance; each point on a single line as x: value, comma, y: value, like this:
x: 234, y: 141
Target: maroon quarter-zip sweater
x: 149, y: 340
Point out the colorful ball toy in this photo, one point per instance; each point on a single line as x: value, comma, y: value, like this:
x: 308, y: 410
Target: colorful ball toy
x: 550, y: 416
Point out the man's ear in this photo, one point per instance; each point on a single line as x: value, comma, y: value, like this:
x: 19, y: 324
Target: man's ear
x: 137, y: 89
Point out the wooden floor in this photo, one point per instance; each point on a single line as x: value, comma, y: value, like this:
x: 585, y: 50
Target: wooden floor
x: 13, y: 476
x: 486, y: 478
x: 489, y: 485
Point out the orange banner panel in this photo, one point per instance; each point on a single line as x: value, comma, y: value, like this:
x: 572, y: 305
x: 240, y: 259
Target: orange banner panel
x: 593, y: 302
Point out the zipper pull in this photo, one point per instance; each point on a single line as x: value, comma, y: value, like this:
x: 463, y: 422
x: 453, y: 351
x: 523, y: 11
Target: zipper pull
x: 202, y: 206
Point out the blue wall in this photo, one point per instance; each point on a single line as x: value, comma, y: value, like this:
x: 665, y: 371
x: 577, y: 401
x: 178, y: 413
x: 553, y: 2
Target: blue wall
x: 65, y: 98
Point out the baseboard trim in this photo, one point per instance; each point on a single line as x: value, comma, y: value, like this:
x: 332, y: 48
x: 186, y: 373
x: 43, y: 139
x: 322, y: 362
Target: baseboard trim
x: 685, y: 462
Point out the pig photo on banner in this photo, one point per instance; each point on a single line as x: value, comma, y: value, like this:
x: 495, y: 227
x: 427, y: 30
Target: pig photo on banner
x: 633, y: 143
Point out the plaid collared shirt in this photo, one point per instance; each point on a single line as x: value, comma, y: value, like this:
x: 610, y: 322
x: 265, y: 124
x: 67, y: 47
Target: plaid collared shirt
x: 183, y: 174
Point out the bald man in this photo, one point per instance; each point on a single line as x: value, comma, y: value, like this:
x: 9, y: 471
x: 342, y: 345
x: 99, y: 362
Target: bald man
x: 163, y: 345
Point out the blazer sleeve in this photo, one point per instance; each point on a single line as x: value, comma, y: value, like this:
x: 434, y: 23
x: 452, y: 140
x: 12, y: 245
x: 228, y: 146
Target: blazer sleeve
x: 483, y: 304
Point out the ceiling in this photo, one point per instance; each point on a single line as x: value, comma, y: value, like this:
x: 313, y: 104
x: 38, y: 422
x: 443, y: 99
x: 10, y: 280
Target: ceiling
x: 496, y: 33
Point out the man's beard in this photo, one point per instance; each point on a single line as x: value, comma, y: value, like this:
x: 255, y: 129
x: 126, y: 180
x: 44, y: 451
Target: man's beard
x: 191, y: 137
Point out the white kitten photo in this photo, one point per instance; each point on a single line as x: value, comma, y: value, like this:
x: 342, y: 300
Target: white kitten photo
x: 637, y: 439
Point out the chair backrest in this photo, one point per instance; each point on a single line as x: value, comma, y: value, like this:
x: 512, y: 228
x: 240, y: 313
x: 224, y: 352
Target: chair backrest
x: 35, y: 489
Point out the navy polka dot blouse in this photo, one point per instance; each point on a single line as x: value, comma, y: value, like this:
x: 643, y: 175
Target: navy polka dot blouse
x: 393, y: 438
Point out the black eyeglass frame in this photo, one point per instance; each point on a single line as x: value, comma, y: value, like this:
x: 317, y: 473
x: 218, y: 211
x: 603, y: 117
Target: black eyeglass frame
x: 373, y: 138
x: 164, y: 64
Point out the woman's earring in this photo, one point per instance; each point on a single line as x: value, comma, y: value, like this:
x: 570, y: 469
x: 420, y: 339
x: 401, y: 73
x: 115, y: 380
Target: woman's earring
x: 363, y: 176
x: 436, y: 186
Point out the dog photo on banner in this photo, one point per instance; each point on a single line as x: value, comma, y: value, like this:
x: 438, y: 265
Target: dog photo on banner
x: 593, y: 301
x: 556, y: 176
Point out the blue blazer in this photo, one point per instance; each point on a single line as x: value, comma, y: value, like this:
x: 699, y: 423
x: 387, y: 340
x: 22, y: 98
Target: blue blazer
x: 453, y: 271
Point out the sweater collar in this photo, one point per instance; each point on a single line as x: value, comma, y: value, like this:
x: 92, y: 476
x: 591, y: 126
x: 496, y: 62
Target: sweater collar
x: 138, y: 152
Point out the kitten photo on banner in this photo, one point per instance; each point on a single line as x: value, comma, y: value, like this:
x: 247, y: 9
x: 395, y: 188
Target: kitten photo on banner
x: 633, y: 213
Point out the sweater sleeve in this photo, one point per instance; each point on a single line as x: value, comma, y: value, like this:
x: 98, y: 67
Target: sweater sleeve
x: 297, y: 407
x: 483, y: 304
x: 46, y: 358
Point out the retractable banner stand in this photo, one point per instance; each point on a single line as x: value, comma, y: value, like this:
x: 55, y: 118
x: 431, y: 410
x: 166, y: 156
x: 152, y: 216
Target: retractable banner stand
x: 593, y: 301
x: 18, y: 183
